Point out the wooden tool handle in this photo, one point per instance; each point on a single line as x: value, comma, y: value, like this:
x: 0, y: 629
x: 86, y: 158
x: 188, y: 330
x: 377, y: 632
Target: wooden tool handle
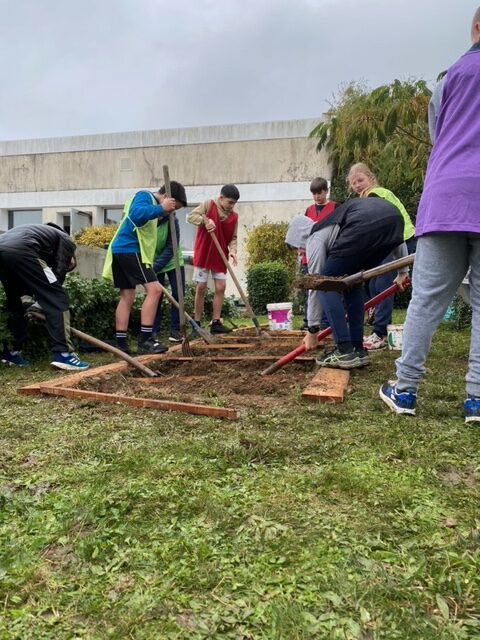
x: 176, y: 256
x: 363, y: 276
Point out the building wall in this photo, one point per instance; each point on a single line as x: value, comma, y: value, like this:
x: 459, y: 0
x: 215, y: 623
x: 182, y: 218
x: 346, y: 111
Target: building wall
x: 271, y: 163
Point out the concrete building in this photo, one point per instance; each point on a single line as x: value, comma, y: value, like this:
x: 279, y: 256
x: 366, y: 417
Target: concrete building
x: 83, y: 180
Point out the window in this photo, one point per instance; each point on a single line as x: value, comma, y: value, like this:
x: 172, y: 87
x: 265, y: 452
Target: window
x: 65, y: 222
x: 112, y: 216
x: 18, y: 217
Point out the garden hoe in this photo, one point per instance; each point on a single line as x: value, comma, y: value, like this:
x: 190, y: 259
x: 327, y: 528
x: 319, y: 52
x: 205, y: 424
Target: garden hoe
x: 36, y: 312
x: 203, y: 333
x: 244, y: 298
x: 327, y: 283
x: 186, y: 349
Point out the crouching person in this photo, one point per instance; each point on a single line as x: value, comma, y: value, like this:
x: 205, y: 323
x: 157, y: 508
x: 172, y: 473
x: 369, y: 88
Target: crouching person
x: 358, y: 235
x: 34, y: 260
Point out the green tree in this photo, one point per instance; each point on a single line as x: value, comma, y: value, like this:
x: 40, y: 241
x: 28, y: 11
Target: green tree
x: 387, y: 128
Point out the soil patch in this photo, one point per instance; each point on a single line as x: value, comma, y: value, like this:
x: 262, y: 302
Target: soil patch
x: 236, y: 384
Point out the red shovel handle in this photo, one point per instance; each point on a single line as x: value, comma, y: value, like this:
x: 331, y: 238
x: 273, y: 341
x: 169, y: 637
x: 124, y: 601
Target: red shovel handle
x: 326, y: 332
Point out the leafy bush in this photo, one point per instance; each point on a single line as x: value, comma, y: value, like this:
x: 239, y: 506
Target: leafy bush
x: 97, y: 236
x: 266, y: 243
x: 267, y: 282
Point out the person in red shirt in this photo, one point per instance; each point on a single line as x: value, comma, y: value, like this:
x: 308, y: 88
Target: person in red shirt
x: 214, y: 216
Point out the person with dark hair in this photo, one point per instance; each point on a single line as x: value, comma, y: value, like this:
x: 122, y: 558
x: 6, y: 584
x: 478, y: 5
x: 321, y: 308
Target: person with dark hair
x: 215, y: 215
x: 130, y: 259
x: 34, y: 260
x: 321, y: 208
x: 448, y: 232
x: 356, y: 236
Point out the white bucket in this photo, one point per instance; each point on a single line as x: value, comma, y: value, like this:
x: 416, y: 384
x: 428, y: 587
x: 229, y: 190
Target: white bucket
x: 395, y: 337
x: 280, y: 316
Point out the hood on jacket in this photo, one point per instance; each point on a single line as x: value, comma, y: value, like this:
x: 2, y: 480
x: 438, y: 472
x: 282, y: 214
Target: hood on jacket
x: 298, y: 231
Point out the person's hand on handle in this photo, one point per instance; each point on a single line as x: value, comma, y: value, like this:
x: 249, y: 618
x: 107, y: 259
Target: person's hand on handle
x: 310, y: 341
x: 401, y: 281
x: 168, y: 204
x: 233, y: 258
x: 209, y: 225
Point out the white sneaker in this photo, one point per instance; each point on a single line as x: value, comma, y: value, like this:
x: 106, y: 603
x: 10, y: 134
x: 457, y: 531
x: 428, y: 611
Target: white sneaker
x: 375, y: 343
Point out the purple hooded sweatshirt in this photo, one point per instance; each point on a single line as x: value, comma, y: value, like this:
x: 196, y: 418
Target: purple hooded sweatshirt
x: 451, y: 194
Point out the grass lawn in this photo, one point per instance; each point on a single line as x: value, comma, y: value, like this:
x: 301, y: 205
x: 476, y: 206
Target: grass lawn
x: 329, y: 521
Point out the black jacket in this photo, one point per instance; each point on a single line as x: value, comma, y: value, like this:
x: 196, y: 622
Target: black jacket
x: 47, y: 243
x: 367, y: 225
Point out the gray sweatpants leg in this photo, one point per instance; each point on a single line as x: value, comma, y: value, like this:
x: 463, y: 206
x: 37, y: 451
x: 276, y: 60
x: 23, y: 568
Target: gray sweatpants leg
x: 441, y: 262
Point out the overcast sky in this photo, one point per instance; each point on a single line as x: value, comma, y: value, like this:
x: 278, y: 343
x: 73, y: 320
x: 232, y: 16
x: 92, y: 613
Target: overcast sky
x: 71, y: 67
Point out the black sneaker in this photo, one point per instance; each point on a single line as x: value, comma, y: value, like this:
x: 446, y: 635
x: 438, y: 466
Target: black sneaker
x: 175, y: 336
x: 363, y: 356
x: 338, y: 360
x: 219, y: 327
x: 151, y: 346
x: 124, y: 349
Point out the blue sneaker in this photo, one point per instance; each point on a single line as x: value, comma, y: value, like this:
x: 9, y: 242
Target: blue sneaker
x: 403, y: 402
x: 69, y: 362
x: 471, y: 408
x: 14, y: 358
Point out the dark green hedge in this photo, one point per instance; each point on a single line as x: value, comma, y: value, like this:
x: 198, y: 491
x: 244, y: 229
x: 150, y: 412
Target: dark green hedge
x: 268, y: 282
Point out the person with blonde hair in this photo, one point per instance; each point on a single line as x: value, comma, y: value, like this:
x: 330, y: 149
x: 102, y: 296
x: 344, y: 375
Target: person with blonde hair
x: 364, y: 183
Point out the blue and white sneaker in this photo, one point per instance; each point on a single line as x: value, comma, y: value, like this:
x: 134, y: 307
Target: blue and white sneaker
x: 14, y: 358
x: 471, y: 408
x: 69, y: 362
x: 402, y: 403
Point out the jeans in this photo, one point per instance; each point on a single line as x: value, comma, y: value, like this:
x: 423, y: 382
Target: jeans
x: 174, y: 315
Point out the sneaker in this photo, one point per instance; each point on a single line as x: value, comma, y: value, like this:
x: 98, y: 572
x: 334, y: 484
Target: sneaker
x: 175, y: 336
x: 363, y: 356
x: 124, y: 349
x: 403, y: 402
x: 375, y: 343
x: 338, y: 360
x: 14, y: 358
x: 219, y: 327
x: 70, y: 362
x: 151, y: 346
x: 471, y: 408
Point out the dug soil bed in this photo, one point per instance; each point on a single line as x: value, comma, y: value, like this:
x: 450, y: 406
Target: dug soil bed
x: 203, y: 381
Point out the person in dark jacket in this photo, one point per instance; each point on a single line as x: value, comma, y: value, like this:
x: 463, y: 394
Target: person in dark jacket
x: 358, y: 235
x: 34, y: 260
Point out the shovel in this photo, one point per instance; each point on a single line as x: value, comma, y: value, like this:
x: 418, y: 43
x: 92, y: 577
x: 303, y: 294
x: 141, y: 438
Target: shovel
x: 186, y: 349
x: 326, y: 283
x: 246, y: 302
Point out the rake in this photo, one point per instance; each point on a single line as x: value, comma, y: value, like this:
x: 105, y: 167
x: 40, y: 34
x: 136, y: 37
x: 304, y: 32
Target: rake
x: 186, y: 348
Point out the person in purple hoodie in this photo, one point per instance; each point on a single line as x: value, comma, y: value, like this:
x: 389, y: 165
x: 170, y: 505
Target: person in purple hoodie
x: 448, y: 232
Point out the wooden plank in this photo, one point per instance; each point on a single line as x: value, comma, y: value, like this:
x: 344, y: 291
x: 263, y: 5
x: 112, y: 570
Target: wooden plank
x: 144, y: 403
x: 161, y: 380
x: 307, y: 360
x: 227, y: 345
x: 328, y: 385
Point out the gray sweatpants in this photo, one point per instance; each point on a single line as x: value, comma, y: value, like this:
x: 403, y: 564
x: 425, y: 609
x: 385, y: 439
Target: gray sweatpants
x: 441, y: 262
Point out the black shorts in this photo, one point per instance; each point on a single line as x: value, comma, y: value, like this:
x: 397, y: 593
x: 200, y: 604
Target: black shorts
x: 128, y: 271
